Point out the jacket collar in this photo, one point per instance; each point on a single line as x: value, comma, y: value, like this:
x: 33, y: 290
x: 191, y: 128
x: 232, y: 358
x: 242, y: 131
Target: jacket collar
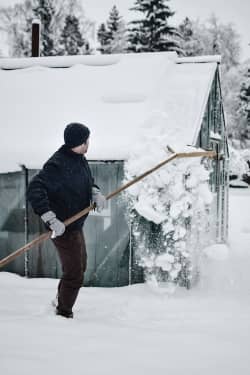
x: 67, y: 151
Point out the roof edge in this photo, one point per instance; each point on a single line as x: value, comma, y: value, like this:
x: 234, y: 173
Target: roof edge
x: 199, y: 59
x: 68, y: 61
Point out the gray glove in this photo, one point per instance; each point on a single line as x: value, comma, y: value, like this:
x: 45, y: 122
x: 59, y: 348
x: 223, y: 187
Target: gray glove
x: 57, y: 227
x: 98, y: 199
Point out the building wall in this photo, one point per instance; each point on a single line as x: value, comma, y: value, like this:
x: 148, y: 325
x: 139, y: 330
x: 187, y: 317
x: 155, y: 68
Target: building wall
x: 107, y: 233
x: 214, y: 121
x: 12, y: 218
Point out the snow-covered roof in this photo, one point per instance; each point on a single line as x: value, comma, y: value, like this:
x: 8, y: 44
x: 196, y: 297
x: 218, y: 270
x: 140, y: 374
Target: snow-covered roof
x: 114, y: 95
x: 199, y: 59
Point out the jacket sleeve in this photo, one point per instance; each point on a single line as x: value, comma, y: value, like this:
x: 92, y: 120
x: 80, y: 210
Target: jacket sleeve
x: 41, y: 187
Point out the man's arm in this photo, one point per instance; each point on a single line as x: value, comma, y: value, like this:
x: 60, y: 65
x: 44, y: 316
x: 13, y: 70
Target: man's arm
x: 38, y: 195
x: 40, y: 187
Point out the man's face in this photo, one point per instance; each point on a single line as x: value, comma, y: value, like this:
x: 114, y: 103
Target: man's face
x: 82, y: 149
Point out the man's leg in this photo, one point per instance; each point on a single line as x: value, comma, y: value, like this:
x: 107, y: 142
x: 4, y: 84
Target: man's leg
x: 72, y: 252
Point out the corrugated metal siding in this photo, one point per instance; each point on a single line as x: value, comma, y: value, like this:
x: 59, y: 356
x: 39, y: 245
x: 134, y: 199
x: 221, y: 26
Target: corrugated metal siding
x: 11, y: 218
x: 213, y: 120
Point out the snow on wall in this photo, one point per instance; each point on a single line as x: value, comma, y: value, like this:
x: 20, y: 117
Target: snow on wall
x: 115, y: 96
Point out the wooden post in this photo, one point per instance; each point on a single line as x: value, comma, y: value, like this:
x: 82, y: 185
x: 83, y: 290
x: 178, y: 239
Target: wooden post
x: 36, y: 26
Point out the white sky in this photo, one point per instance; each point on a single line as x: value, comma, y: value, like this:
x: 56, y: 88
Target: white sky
x: 227, y: 11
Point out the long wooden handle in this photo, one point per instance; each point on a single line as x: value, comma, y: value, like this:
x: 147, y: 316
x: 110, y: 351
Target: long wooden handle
x: 25, y: 248
x: 77, y: 216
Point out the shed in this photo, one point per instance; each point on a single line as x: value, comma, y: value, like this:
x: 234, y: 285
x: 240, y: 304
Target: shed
x: 113, y: 95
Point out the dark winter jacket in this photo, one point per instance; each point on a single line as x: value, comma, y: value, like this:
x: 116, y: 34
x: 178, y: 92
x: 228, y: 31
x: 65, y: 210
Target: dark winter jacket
x: 64, y: 186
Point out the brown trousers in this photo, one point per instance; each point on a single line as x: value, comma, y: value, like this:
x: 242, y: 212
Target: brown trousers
x: 72, y: 252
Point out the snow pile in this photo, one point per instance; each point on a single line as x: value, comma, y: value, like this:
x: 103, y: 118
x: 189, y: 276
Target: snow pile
x: 245, y: 153
x: 238, y: 162
x: 207, y: 327
x: 217, y: 251
x: 169, y: 210
x: 208, y: 331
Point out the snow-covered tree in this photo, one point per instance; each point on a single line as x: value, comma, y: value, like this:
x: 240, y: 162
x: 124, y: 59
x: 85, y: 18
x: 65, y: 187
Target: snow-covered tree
x: 75, y: 8
x: 235, y: 86
x: 210, y: 38
x: 114, y: 20
x: 112, y: 35
x: 103, y: 37
x: 224, y: 40
x: 213, y: 37
x: 117, y: 28
x: 231, y: 88
x: 189, y: 41
x: 244, y: 107
x: 152, y: 32
x: 16, y: 22
x: 72, y: 40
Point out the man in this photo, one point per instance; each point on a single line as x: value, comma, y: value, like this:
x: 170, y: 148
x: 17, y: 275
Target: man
x: 61, y: 189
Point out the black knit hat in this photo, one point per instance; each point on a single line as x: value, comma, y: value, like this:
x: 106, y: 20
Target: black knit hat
x: 75, y: 134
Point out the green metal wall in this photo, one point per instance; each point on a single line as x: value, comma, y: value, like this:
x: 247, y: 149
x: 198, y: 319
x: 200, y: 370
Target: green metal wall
x: 12, y: 218
x: 214, y: 121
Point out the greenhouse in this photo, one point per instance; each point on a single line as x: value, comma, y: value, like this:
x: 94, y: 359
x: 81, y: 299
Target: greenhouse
x: 115, y: 96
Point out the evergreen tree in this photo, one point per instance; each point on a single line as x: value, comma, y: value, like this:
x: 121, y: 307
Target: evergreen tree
x: 189, y: 43
x: 152, y: 32
x: 112, y: 36
x: 186, y: 29
x: 71, y: 38
x: 114, y: 20
x: 104, y: 38
x: 119, y: 43
x: 77, y: 22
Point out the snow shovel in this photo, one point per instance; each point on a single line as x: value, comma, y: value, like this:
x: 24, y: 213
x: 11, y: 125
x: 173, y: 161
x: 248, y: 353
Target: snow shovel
x: 45, y: 236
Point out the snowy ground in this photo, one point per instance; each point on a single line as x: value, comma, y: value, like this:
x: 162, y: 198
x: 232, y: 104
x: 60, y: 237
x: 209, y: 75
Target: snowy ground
x: 135, y: 330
